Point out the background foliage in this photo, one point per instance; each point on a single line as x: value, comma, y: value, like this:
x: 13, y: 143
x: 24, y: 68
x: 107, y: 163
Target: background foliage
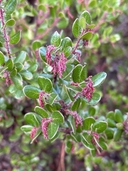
x: 30, y: 25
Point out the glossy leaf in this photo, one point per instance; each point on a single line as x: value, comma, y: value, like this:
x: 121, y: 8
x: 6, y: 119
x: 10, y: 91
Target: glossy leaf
x: 109, y: 133
x: 10, y: 22
x: 87, y: 17
x: 66, y: 42
x: 88, y: 123
x: 45, y: 84
x: 99, y: 78
x: 1, y: 58
x: 14, y: 39
x: 76, y: 28
x: 36, y: 44
x: 118, y: 117
x: 27, y: 75
x: 58, y: 118
x: 41, y: 112
x: 87, y: 36
x: 27, y: 129
x: 100, y: 126
x: 31, y: 91
x: 117, y: 134
x: 52, y: 130
x: 21, y: 57
x: 95, y: 99
x: 76, y: 74
x: 10, y: 6
x: 55, y: 39
x: 18, y: 81
x: 30, y: 118
x: 9, y: 64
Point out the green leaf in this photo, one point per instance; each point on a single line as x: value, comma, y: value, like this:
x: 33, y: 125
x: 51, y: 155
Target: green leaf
x: 86, y: 140
x: 33, y: 68
x: 52, y: 130
x: 42, y: 53
x: 36, y: 44
x: 100, y: 126
x: 76, y: 28
x: 110, y: 115
x: 77, y: 73
x: 31, y: 119
x: 9, y: 64
x: 10, y: 23
x: 82, y: 22
x: 99, y: 78
x: 21, y: 57
x: 95, y: 99
x: 117, y: 134
x: 76, y: 104
x: 68, y: 51
x: 103, y: 145
x: 83, y: 74
x: 66, y: 42
x: 87, y: 35
x: 14, y: 39
x: 118, y: 116
x: 26, y: 74
x: 18, y: 66
x: 18, y: 81
x: 87, y: 17
x: 45, y: 84
x: 72, y: 123
x: 10, y: 6
x: 88, y: 123
x: 109, y: 133
x: 1, y: 58
x: 111, y: 123
x: 92, y: 111
x: 58, y: 118
x: 41, y: 112
x: 55, y: 39
x: 114, y: 38
x: 52, y: 98
x: 27, y: 129
x: 31, y: 91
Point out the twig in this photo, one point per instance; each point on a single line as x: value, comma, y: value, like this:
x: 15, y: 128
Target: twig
x: 4, y: 32
x: 101, y: 22
x: 49, y: 29
x: 61, y: 166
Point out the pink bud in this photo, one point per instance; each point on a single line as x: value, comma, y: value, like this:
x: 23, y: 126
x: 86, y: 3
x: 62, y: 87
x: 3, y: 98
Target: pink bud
x: 88, y: 90
x: 45, y: 122
x: 33, y: 132
x: 78, y: 119
x: 49, y: 49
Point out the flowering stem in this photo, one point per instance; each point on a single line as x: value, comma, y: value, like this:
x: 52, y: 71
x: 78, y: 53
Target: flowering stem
x: 5, y: 33
x: 78, y: 41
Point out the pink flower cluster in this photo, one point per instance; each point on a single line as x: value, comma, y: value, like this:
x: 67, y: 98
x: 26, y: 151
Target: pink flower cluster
x: 78, y: 119
x: 50, y: 48
x: 88, y: 90
x: 42, y: 96
x: 45, y: 123
x: 41, y: 102
x: 33, y: 132
x: 59, y: 62
x: 7, y: 77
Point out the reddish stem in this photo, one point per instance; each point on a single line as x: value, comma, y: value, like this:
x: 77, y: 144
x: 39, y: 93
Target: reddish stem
x: 5, y: 33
